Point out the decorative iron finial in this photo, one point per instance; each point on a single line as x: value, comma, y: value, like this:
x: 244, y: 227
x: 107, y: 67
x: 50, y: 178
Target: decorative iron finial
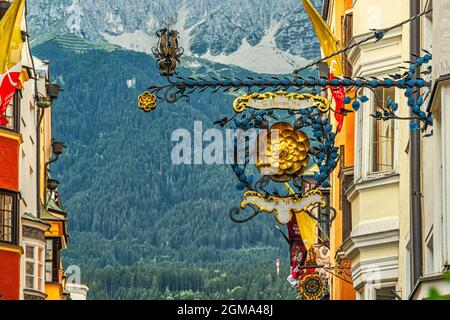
x: 168, y: 23
x: 167, y: 52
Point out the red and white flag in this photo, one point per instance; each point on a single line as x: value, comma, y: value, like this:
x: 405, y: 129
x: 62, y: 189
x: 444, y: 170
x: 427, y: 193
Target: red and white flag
x: 11, y: 45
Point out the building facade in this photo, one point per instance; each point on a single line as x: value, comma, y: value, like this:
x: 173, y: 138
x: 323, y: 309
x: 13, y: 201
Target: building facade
x: 376, y: 236
x: 33, y: 229
x: 436, y: 160
x: 337, y: 14
x: 379, y: 195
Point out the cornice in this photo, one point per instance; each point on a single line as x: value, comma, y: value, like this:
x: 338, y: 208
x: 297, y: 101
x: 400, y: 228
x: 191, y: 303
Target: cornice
x: 11, y: 248
x: 5, y: 133
x: 375, y: 272
x: 435, y: 100
x: 370, y: 183
x: 371, y: 68
x: 371, y: 234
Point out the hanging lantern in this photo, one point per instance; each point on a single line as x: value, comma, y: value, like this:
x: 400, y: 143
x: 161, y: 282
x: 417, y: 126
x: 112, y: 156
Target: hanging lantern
x: 167, y: 52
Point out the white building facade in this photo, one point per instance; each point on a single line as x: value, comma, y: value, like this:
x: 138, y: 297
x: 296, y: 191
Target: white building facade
x: 436, y: 159
x: 380, y: 246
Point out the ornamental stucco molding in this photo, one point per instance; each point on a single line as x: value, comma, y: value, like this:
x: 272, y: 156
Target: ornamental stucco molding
x: 372, y: 182
x: 375, y: 273
x: 372, y: 233
x: 33, y: 233
x: 375, y: 226
x: 363, y: 66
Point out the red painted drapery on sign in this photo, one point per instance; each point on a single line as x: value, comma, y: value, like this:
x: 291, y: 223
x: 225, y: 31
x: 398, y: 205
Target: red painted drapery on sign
x: 339, y: 96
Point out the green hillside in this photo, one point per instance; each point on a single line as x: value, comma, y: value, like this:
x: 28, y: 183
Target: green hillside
x: 141, y: 227
x: 72, y: 42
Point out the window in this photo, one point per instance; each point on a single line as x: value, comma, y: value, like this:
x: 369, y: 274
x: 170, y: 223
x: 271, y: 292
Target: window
x: 12, y: 114
x: 347, y: 183
x: 382, y: 134
x: 359, y: 144
x: 324, y: 215
x: 51, y: 260
x: 408, y: 269
x: 387, y: 293
x: 347, y: 34
x: 8, y: 217
x: 34, y: 267
x: 429, y: 256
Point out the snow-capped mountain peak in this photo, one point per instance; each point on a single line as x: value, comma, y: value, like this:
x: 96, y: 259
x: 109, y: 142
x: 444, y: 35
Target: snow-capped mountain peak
x: 266, y: 36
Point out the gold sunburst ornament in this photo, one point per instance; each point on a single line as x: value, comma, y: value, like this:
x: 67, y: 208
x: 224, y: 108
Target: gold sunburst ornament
x: 312, y: 287
x: 147, y: 101
x: 282, y: 152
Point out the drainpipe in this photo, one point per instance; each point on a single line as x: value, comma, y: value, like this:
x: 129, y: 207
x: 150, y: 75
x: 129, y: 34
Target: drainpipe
x: 415, y: 157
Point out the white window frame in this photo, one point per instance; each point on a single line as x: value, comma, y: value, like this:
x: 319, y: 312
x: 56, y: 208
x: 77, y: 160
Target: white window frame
x: 370, y: 172
x: 359, y: 144
x: 408, y: 283
x: 442, y: 217
x: 364, y: 138
x: 429, y: 266
x: 438, y: 219
x: 35, y: 261
x: 52, y: 246
x: 10, y: 114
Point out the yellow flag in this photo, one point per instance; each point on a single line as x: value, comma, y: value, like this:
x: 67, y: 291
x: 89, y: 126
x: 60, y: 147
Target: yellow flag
x: 307, y: 227
x: 11, y: 43
x: 306, y: 224
x: 326, y: 38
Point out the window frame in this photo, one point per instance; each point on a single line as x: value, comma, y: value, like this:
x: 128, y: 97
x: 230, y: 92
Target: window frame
x: 379, y: 291
x: 54, y: 260
x: 363, y: 140
x: 374, y: 123
x: 359, y: 145
x: 440, y: 224
x: 14, y: 217
x: 15, y: 104
x: 347, y: 183
x: 347, y: 36
x: 37, y: 261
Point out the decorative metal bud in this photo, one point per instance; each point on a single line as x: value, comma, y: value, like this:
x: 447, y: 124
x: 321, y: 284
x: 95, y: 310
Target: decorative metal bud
x: 52, y: 184
x: 58, y: 148
x: 167, y: 52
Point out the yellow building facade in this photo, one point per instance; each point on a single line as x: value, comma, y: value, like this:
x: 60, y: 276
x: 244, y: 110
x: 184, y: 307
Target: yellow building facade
x: 56, y: 242
x: 52, y: 211
x: 338, y: 15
